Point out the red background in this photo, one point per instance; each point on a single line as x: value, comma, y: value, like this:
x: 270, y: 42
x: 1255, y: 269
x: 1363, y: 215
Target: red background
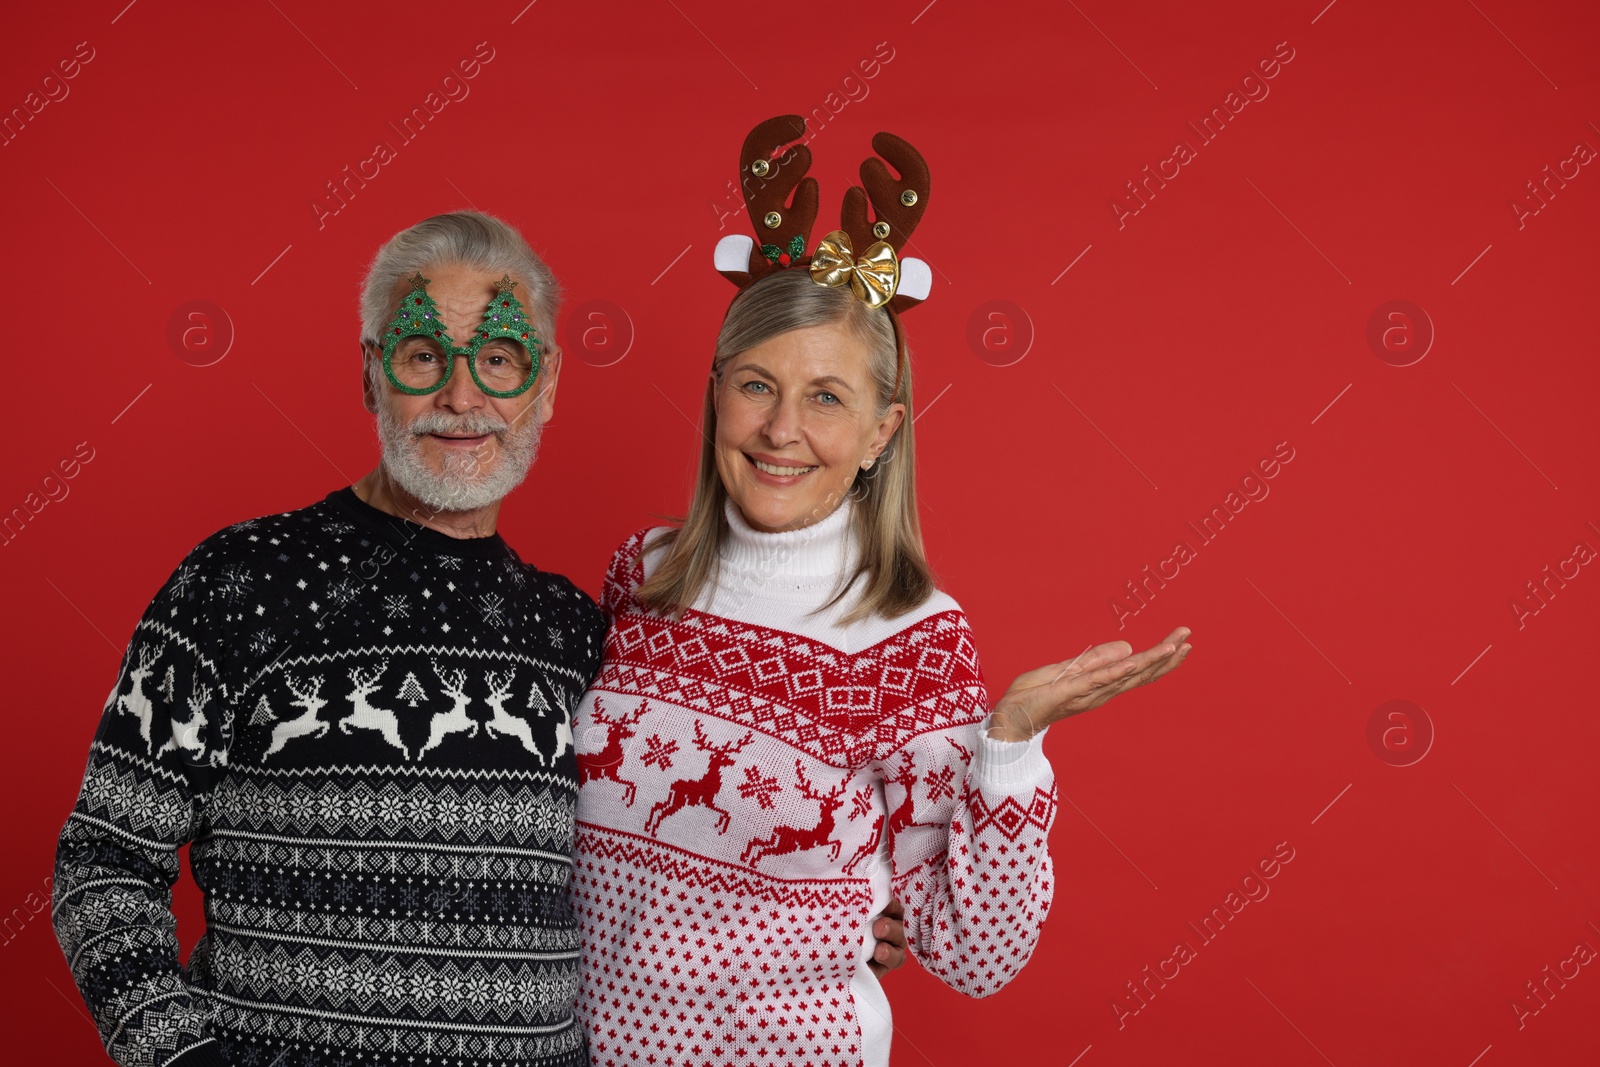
x: 1228, y: 315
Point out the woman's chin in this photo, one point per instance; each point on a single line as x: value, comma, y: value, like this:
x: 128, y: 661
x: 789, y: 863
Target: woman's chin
x: 771, y: 514
x: 770, y: 520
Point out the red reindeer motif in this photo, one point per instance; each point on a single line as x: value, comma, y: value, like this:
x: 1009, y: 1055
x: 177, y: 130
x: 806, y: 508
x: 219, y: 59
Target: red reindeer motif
x: 702, y: 791
x: 606, y: 763
x: 903, y: 817
x: 787, y: 839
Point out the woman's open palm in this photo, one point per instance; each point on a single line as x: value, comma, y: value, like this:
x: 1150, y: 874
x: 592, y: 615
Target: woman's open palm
x: 1058, y: 690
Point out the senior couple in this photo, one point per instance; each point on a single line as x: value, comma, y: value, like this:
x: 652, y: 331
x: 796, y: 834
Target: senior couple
x: 444, y: 809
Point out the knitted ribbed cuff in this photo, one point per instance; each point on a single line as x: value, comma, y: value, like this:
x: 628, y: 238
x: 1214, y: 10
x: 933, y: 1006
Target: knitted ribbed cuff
x: 1009, y: 766
x: 206, y: 1054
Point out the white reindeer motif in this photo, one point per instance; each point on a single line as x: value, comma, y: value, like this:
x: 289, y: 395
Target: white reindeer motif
x: 367, y: 717
x: 503, y: 722
x: 304, y: 723
x: 188, y: 734
x: 563, y: 736
x: 563, y: 728
x: 455, y: 720
x: 134, y: 702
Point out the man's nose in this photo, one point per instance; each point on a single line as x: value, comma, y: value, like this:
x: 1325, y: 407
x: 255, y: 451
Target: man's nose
x: 461, y: 393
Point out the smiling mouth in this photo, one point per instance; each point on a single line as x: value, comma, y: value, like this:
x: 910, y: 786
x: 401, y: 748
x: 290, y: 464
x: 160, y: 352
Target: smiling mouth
x: 460, y: 440
x: 777, y: 471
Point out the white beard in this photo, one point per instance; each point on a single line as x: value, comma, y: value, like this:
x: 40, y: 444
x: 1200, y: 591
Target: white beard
x: 469, y: 479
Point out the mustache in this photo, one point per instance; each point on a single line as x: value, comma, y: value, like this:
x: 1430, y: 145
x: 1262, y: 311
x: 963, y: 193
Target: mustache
x: 472, y: 424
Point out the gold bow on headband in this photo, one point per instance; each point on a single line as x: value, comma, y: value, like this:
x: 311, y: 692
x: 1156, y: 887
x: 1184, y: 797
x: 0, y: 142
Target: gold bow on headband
x: 873, y: 278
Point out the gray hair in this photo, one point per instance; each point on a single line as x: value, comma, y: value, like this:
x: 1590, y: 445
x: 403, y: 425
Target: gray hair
x: 471, y: 239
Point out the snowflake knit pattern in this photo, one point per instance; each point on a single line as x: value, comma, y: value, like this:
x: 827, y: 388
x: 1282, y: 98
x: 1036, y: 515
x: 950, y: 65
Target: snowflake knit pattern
x: 757, y: 779
x: 363, y: 726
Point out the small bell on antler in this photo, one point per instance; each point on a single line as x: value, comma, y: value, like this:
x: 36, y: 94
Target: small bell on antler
x: 783, y: 207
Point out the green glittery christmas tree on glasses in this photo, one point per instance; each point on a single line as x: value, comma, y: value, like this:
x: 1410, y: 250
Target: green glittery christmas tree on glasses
x: 503, y: 355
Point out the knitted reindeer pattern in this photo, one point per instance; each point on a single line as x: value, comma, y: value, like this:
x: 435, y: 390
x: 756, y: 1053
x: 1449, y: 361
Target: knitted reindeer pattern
x: 752, y: 795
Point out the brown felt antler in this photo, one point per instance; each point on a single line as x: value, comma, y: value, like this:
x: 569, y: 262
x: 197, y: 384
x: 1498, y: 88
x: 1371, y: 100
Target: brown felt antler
x: 767, y: 181
x: 782, y: 203
x: 897, y: 203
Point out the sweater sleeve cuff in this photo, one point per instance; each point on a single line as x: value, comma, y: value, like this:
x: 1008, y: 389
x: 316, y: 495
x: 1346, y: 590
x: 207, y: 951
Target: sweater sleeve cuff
x: 1009, y: 766
x: 207, y: 1053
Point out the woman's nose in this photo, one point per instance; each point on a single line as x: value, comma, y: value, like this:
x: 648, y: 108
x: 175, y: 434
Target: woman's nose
x: 783, y: 426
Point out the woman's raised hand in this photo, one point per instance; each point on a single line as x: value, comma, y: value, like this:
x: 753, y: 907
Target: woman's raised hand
x: 1058, y: 690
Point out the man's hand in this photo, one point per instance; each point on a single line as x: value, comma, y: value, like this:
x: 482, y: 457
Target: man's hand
x: 890, y: 932
x: 1058, y: 690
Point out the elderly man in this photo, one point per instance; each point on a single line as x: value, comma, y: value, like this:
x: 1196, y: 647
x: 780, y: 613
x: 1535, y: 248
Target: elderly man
x: 357, y: 713
x: 384, y: 872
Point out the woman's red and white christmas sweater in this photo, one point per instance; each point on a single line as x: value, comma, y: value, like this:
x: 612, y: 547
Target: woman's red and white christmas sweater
x: 757, y: 780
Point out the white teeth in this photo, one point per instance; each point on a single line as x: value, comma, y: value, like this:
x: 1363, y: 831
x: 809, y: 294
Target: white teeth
x: 782, y: 472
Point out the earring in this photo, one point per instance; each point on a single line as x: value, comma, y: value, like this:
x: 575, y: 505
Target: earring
x: 868, y: 464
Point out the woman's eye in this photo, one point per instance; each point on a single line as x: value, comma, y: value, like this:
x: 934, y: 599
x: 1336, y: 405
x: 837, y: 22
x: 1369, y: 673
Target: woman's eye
x: 755, y: 387
x: 827, y: 398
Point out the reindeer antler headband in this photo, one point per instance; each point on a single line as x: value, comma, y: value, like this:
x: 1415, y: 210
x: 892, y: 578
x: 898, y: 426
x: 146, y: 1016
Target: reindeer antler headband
x: 878, y: 276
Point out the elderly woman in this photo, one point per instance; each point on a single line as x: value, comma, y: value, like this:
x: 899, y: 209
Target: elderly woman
x: 790, y: 726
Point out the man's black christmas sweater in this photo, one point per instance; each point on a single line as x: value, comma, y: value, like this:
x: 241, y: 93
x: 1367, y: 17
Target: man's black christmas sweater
x: 361, y: 725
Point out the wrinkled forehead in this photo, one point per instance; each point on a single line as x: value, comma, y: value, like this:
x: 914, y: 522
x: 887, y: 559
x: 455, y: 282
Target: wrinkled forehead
x: 461, y: 298
x: 461, y: 308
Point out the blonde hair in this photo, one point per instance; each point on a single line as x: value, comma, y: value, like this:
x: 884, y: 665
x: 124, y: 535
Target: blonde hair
x: 885, y: 522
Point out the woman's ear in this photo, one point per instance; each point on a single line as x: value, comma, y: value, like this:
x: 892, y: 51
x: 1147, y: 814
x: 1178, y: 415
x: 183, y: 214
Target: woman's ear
x: 887, y: 426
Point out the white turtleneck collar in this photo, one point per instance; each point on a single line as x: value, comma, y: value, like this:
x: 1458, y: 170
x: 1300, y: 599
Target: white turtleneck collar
x: 782, y: 580
x: 813, y: 556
